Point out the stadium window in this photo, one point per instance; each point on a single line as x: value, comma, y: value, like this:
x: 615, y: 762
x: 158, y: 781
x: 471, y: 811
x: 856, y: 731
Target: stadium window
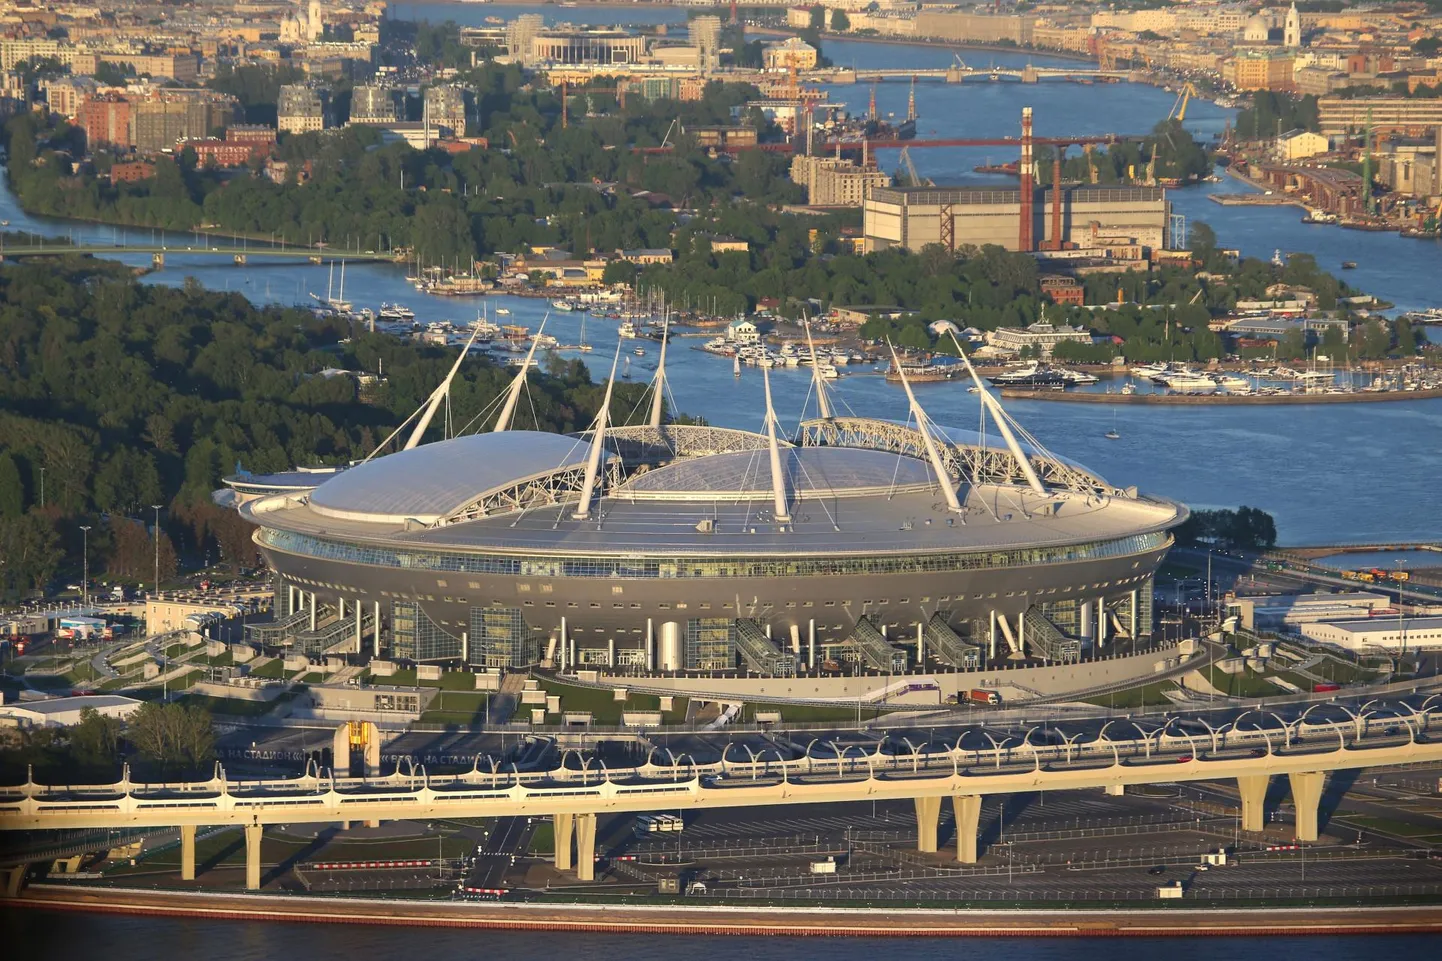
x: 550, y: 603
x: 595, y: 604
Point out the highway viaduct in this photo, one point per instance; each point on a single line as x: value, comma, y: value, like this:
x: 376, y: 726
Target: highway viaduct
x: 581, y: 787
x: 239, y: 255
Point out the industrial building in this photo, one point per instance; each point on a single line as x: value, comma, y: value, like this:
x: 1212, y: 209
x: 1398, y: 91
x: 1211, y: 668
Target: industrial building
x: 1414, y: 117
x: 65, y: 711
x: 1274, y: 612
x: 157, y: 125
x: 1090, y: 217
x: 1390, y: 634
x: 666, y: 548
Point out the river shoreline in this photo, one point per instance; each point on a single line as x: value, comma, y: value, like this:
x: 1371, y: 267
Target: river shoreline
x: 1202, y: 400
x: 691, y: 920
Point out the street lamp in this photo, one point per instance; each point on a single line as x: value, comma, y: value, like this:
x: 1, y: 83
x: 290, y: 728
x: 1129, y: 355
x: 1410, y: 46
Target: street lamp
x: 85, y: 566
x: 156, y: 536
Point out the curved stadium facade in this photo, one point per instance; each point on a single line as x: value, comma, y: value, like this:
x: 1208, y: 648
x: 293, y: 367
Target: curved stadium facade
x: 703, y: 549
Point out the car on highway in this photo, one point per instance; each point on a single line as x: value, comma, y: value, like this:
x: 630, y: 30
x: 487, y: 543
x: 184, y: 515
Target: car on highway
x: 1185, y: 759
x: 1157, y: 869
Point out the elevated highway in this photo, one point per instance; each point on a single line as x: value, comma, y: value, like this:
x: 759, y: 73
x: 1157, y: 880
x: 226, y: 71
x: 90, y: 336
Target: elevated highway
x: 158, y: 252
x: 960, y: 72
x: 580, y: 788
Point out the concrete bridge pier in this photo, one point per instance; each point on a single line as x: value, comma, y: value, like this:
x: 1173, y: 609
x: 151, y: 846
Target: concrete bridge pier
x: 955, y: 74
x: 1253, y: 791
x: 564, y: 826
x: 1307, y: 797
x: 187, y: 852
x: 967, y: 809
x: 585, y: 847
x: 928, y: 814
x: 239, y: 260
x: 157, y: 260
x: 15, y: 879
x: 1029, y: 74
x: 252, y: 856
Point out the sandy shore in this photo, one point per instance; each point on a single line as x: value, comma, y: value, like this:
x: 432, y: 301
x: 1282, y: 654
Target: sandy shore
x: 738, y: 920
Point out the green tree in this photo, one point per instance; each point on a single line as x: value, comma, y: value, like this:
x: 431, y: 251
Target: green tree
x: 12, y: 490
x: 818, y: 18
x: 172, y: 735
x: 840, y: 22
x: 95, y: 740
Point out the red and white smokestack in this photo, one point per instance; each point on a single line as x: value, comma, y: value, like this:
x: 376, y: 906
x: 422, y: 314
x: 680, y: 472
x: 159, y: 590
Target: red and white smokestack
x: 1025, y: 241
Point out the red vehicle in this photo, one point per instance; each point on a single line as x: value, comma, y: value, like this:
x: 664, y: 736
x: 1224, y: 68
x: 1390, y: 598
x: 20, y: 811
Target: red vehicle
x: 983, y: 697
x: 1324, y: 688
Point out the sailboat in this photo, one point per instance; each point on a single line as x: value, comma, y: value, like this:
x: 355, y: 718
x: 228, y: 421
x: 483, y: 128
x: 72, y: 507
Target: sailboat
x: 626, y: 371
x: 583, y: 347
x: 1112, y: 434
x: 736, y: 364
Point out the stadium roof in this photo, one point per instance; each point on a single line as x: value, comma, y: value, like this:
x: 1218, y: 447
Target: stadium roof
x: 433, y: 481
x: 825, y: 471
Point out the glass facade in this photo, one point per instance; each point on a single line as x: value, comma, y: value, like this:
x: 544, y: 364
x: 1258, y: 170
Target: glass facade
x: 710, y: 644
x: 703, y: 567
x: 500, y: 638
x: 416, y: 636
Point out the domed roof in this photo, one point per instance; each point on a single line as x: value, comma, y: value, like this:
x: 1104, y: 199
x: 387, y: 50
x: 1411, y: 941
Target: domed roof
x: 431, y: 482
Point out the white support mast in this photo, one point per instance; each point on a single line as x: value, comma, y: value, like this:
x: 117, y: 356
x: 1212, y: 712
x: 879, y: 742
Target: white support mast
x: 778, y: 476
x: 998, y: 416
x: 823, y: 402
x: 439, y: 394
x: 658, y: 383
x: 598, y: 445
x: 513, y: 395
x: 923, y: 423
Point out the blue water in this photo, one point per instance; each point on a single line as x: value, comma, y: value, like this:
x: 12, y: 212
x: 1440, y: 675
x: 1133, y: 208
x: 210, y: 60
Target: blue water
x: 56, y: 937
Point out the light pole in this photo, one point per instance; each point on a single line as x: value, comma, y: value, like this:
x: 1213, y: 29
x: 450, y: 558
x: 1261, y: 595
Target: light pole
x: 85, y: 566
x: 156, y: 535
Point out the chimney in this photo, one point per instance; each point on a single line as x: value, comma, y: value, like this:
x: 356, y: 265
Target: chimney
x: 1056, y: 198
x: 1025, y: 241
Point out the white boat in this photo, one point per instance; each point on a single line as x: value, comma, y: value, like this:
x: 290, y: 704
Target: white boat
x: 1234, y: 383
x: 628, y: 329
x: 639, y: 352
x: 503, y: 311
x: 563, y: 305
x: 827, y: 371
x: 395, y: 313
x: 1189, y: 383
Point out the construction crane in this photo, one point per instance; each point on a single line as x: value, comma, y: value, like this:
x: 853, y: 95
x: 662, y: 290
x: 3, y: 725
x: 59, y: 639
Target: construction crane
x: 1179, y: 109
x: 910, y: 169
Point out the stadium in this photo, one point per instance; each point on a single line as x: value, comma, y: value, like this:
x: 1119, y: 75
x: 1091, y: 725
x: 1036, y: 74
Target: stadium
x: 855, y: 545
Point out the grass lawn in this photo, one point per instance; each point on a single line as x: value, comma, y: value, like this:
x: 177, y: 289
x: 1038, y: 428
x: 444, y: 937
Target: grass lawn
x: 543, y: 837
x: 82, y: 671
x: 458, y: 707
x: 232, y: 706
x: 1145, y: 696
x: 314, y: 677
x: 273, y: 669
x: 1248, y: 683
x: 450, y: 680
x: 804, y: 713
x: 603, y: 705
x: 1390, y: 826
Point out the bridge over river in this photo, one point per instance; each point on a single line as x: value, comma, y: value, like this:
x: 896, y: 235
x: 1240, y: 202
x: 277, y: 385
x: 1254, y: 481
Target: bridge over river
x: 580, y: 787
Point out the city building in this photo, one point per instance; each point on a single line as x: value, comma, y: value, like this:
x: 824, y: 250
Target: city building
x: 519, y: 34
x: 64, y: 95
x: 106, y: 121
x: 377, y: 104
x: 1063, y: 290
x: 1292, y: 31
x: 158, y: 124
x: 706, y: 34
x: 978, y: 27
x: 447, y: 105
x: 835, y: 182
x: 1299, y: 144
x: 1261, y: 70
x: 131, y: 172
x: 793, y: 52
x: 1040, y: 338
x: 1343, y: 117
x: 1273, y: 612
x: 302, y: 108
x: 1092, y: 217
x: 737, y: 136
x: 631, y: 548
x: 595, y: 46
x: 65, y: 711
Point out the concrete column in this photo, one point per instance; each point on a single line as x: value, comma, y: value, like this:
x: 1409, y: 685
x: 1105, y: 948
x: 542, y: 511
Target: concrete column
x: 920, y: 643
x: 811, y: 644
x: 564, y: 641
x: 1115, y: 790
x: 359, y: 612
x: 563, y: 825
x: 312, y: 610
x: 187, y: 852
x: 650, y: 645
x: 290, y: 599
x: 1021, y: 633
x: 585, y: 847
x: 967, y: 809
x: 1306, y: 797
x: 1253, y: 791
x: 796, y: 642
x: 15, y: 879
x: 1133, y: 624
x: 341, y: 602
x: 1101, y: 620
x: 465, y: 647
x: 376, y: 632
x: 1086, y: 620
x: 928, y: 813
x: 252, y: 857
x: 611, y: 652
x: 991, y: 639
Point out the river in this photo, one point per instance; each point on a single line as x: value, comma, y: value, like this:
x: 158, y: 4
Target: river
x: 62, y: 937
x: 1331, y: 473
